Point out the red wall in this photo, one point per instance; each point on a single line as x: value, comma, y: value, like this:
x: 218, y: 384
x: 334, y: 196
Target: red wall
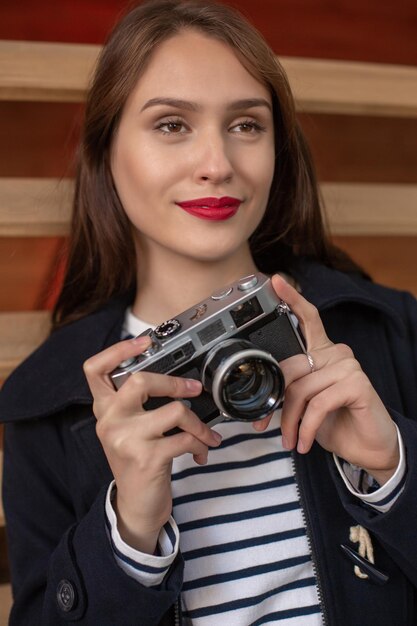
x: 366, y: 30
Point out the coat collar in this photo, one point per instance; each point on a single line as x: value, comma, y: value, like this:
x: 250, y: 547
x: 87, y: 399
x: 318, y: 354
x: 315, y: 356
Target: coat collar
x: 325, y: 288
x: 52, y: 378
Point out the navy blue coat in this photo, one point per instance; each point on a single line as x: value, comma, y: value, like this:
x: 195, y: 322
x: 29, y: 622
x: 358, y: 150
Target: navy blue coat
x: 56, y: 476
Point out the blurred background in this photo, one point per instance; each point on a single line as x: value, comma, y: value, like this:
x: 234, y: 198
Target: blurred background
x: 366, y: 155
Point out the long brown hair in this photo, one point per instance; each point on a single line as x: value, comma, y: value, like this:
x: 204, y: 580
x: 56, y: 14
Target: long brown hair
x: 101, y: 260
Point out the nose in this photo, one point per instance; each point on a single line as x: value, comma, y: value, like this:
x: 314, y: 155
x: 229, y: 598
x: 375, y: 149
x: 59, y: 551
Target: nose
x: 212, y: 160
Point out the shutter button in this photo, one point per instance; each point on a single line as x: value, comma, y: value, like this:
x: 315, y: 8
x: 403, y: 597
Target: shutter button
x: 66, y: 596
x: 221, y: 293
x: 247, y: 283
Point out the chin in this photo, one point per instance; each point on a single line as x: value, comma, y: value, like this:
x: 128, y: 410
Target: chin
x: 212, y: 248
x: 212, y: 254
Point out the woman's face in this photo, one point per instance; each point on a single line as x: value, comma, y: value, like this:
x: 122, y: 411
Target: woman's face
x: 193, y: 157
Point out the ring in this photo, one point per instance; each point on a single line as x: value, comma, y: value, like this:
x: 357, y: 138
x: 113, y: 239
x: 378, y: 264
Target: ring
x: 310, y: 362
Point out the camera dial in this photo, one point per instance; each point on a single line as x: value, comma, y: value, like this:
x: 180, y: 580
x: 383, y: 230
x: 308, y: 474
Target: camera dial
x: 168, y: 328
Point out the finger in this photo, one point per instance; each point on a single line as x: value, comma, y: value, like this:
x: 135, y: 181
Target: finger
x: 201, y: 459
x: 183, y: 443
x: 306, y: 313
x: 261, y: 425
x: 318, y: 409
x: 143, y: 385
x: 177, y: 415
x: 98, y: 367
x: 301, y: 392
x: 298, y: 366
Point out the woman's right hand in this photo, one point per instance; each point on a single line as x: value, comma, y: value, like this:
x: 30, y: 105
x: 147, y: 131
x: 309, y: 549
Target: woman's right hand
x: 139, y: 454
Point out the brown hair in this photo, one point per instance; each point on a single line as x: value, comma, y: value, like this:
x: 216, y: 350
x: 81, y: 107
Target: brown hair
x: 101, y: 256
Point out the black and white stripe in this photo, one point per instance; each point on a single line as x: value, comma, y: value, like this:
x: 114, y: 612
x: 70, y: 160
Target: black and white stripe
x: 364, y: 487
x: 242, y: 533
x: 240, y: 528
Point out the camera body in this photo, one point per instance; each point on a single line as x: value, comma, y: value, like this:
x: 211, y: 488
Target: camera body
x: 232, y: 341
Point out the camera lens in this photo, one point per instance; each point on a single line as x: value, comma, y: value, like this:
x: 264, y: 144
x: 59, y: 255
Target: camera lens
x: 246, y: 383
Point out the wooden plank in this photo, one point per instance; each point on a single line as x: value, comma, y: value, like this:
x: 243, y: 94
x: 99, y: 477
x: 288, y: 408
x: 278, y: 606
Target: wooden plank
x: 61, y: 72
x: 42, y: 207
x: 45, y: 71
x: 34, y: 207
x: 349, y: 87
x: 20, y: 333
x: 366, y: 209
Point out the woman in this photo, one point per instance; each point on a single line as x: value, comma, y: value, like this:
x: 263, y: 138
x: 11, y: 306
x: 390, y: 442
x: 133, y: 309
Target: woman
x: 192, y: 173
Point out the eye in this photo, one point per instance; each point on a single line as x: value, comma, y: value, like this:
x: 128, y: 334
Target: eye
x: 171, y: 127
x: 248, y: 127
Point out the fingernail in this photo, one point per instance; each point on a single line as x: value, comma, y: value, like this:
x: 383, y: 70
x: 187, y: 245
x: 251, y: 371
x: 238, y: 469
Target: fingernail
x: 192, y: 384
x: 281, y: 277
x: 140, y: 341
x: 217, y: 436
x: 285, y: 443
x: 301, y: 446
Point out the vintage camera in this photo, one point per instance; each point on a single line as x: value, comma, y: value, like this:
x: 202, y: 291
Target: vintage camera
x: 232, y: 342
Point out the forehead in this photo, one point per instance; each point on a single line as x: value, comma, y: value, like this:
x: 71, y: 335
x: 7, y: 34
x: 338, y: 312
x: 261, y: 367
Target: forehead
x: 194, y: 66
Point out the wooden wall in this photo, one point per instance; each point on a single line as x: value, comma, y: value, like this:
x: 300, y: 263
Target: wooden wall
x: 38, y: 139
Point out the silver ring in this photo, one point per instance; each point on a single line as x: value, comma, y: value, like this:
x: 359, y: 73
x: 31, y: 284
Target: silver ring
x: 310, y: 362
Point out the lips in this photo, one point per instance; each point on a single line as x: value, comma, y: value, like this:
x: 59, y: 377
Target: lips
x: 217, y: 209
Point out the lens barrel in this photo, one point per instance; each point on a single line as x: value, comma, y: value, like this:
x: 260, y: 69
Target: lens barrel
x: 246, y: 382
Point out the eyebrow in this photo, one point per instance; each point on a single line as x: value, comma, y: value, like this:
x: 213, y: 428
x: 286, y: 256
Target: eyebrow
x: 245, y: 103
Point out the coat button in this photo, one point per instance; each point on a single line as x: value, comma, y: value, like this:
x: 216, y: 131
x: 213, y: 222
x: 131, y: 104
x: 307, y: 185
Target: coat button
x: 66, y: 595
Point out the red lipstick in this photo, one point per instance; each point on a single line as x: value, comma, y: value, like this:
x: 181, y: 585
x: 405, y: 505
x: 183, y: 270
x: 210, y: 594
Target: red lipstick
x: 215, y: 209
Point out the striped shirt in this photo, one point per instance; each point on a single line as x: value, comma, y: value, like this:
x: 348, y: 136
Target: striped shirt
x: 239, y: 525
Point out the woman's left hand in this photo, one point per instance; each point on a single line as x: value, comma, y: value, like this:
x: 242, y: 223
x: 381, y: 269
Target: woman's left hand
x: 335, y: 404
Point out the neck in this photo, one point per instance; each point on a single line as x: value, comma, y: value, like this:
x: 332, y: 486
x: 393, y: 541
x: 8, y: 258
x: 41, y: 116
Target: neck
x: 168, y: 284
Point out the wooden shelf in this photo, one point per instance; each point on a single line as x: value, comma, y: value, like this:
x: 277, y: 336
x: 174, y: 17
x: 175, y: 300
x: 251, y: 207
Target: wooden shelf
x: 61, y: 72
x: 41, y: 207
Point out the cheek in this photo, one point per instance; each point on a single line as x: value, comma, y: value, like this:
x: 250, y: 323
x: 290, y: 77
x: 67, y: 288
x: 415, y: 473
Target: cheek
x: 134, y: 177
x: 148, y: 173
x: 260, y: 166
x: 262, y: 174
